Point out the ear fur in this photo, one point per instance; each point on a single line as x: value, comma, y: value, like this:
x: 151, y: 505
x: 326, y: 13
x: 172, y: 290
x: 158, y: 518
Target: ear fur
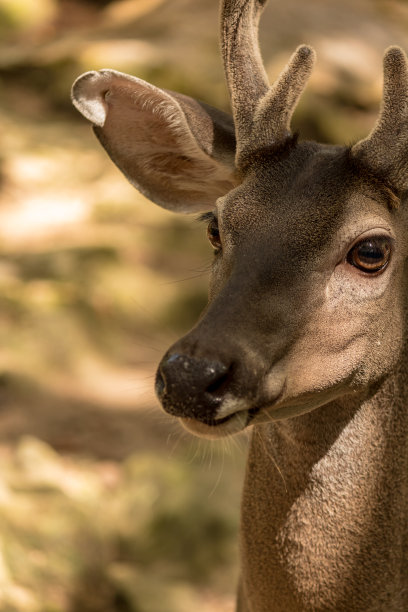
x: 177, y: 151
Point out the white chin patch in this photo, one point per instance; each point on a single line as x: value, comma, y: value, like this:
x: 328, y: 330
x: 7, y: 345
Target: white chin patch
x: 234, y: 425
x: 230, y: 405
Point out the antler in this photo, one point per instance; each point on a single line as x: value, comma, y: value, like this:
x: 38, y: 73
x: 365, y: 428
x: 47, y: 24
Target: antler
x: 262, y: 113
x: 385, y: 150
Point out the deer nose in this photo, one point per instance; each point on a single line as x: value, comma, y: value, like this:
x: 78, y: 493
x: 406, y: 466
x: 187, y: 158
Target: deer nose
x: 192, y: 387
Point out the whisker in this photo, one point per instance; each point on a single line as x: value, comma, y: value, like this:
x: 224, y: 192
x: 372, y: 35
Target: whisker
x: 218, y: 480
x: 273, y: 460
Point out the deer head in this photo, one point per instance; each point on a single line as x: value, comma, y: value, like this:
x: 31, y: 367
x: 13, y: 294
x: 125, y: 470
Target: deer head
x: 306, y: 298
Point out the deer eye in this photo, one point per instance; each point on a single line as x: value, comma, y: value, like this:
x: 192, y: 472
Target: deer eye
x: 370, y: 255
x: 213, y: 234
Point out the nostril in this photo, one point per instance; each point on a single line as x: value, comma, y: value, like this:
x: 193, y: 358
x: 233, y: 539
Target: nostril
x: 220, y: 383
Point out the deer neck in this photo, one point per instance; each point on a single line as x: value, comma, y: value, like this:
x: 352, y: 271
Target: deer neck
x: 325, y: 507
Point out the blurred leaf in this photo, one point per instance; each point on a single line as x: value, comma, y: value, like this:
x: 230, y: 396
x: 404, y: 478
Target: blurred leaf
x: 23, y: 14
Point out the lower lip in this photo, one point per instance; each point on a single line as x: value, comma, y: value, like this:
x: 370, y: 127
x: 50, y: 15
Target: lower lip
x: 229, y: 425
x: 251, y: 414
x: 226, y: 425
x: 217, y: 422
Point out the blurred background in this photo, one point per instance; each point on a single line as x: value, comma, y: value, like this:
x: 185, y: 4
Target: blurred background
x: 105, y: 504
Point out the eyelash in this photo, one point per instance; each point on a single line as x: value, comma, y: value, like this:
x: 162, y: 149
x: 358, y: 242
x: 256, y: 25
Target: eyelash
x: 206, y: 217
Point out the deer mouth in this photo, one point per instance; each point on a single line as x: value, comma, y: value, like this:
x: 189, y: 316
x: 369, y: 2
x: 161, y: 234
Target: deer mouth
x: 224, y: 426
x: 216, y: 422
x: 216, y: 428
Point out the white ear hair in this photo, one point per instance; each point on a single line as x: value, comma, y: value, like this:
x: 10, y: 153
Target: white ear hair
x: 89, y: 97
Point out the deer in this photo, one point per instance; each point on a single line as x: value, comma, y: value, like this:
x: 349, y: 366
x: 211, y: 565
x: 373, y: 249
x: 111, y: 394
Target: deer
x: 304, y: 337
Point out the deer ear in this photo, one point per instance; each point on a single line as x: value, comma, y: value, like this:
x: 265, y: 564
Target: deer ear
x: 177, y: 151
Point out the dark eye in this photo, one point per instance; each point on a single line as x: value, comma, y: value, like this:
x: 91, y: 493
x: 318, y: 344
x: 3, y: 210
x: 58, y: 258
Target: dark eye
x: 213, y: 234
x: 370, y: 255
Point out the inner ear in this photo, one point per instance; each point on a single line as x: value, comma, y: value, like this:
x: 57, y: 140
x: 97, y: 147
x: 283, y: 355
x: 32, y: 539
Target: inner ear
x: 175, y: 150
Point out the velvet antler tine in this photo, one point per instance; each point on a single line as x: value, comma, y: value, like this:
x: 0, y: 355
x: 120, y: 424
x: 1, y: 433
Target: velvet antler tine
x: 245, y: 74
x: 385, y: 148
x: 276, y: 108
x: 262, y: 113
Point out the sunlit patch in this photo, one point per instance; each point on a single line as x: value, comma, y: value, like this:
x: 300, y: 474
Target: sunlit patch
x: 117, y: 53
x: 41, y: 214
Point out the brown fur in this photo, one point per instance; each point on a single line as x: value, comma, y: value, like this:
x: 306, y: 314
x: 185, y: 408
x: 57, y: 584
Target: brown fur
x: 296, y: 340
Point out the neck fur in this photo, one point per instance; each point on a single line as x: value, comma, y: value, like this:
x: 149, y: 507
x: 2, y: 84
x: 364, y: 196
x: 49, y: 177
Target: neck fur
x: 325, y: 507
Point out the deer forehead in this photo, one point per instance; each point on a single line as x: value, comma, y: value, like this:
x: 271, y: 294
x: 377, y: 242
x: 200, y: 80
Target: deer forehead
x: 308, y: 199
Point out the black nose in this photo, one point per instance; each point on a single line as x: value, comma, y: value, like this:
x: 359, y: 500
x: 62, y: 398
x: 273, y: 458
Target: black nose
x: 192, y: 387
